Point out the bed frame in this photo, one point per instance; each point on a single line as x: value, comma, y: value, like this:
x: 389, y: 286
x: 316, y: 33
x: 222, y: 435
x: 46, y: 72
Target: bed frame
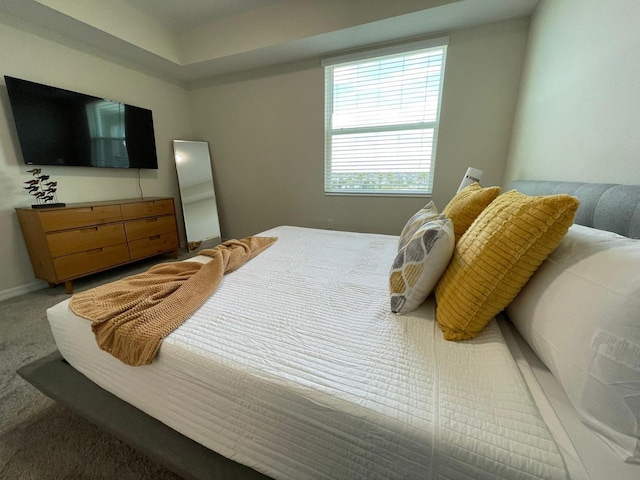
x: 54, y: 377
x: 603, y: 206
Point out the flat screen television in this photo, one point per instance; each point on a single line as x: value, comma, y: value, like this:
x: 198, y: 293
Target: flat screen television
x: 60, y: 127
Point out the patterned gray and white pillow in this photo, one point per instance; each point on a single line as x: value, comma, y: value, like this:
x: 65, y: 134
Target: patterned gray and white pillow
x: 425, y: 214
x: 420, y: 263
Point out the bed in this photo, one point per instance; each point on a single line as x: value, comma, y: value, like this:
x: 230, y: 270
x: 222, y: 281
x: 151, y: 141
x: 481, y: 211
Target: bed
x: 295, y: 368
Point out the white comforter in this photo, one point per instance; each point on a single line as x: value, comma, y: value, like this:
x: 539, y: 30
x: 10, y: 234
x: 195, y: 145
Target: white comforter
x: 297, y: 368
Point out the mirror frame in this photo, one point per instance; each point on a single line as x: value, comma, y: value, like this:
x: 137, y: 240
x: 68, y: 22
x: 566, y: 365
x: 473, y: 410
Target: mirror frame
x: 197, y: 198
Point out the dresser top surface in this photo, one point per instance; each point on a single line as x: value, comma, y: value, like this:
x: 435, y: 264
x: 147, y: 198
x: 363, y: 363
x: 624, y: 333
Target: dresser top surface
x: 96, y: 204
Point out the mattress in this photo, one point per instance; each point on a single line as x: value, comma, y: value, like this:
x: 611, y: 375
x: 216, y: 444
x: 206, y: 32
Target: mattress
x: 296, y: 367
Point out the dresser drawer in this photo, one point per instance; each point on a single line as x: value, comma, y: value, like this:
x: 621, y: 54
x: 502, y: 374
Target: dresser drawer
x: 146, y: 247
x: 79, y: 217
x: 149, y: 208
x: 88, y: 238
x: 78, y: 264
x: 148, y: 227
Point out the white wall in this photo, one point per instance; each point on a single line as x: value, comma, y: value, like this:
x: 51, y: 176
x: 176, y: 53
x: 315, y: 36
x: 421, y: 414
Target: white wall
x: 30, y: 57
x: 266, y: 136
x: 578, y: 115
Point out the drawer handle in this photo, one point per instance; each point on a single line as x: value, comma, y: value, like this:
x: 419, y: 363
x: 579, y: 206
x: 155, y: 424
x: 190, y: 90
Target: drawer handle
x: 89, y: 229
x: 87, y: 209
x: 94, y: 251
x: 155, y: 237
x: 154, y: 219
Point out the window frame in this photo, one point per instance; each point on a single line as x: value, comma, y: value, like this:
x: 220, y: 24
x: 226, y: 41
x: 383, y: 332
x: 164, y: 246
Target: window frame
x: 330, y: 132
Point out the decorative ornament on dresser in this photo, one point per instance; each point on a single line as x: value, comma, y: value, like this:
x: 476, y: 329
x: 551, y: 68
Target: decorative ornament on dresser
x: 43, y: 190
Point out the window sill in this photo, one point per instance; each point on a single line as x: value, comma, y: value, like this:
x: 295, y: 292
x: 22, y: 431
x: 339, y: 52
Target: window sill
x: 371, y: 194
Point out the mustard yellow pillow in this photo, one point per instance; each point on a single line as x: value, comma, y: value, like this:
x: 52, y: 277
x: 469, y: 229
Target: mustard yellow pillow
x: 467, y: 205
x: 495, y: 258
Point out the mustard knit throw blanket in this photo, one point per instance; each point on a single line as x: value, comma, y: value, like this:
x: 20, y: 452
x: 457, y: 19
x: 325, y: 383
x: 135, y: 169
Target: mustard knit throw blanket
x: 130, y: 317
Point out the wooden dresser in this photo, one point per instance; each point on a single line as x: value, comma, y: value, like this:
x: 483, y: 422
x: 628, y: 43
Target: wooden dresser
x: 69, y: 242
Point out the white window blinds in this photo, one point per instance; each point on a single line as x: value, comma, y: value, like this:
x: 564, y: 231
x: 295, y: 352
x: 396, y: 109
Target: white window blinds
x: 381, y: 119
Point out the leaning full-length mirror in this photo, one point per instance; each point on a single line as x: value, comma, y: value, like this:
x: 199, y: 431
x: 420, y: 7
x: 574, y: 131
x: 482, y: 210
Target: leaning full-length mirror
x: 199, y: 209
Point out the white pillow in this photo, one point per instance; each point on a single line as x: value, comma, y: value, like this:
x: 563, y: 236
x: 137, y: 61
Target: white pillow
x: 425, y: 214
x: 420, y: 263
x: 580, y: 313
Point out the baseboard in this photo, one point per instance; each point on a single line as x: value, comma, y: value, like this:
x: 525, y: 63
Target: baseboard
x: 21, y: 290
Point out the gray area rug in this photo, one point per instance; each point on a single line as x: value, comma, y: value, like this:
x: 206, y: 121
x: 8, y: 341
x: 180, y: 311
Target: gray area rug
x: 40, y: 439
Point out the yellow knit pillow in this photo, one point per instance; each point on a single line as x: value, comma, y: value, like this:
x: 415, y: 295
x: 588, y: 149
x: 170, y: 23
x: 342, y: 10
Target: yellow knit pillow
x: 467, y: 205
x: 495, y: 258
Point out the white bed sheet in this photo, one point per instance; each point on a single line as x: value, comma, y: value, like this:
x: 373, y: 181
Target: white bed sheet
x: 586, y: 454
x: 296, y: 368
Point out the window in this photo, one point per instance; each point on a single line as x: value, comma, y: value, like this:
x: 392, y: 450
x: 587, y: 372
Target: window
x: 107, y: 133
x: 382, y: 110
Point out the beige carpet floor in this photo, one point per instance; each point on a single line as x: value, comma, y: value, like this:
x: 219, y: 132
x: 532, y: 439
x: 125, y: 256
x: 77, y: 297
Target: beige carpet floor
x: 40, y: 439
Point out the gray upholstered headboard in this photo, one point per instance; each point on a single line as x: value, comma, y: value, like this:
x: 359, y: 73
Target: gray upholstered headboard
x: 605, y: 206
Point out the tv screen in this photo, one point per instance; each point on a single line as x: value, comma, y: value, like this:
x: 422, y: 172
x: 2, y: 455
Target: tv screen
x: 60, y: 127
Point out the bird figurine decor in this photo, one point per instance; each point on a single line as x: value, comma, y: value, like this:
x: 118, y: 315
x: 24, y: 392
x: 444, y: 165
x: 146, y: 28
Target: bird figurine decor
x: 42, y: 189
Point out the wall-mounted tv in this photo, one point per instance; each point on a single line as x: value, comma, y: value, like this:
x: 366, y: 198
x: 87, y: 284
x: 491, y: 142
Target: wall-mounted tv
x: 60, y: 127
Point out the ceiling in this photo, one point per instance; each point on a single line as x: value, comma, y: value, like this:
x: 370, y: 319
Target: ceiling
x: 184, y: 14
x: 190, y: 41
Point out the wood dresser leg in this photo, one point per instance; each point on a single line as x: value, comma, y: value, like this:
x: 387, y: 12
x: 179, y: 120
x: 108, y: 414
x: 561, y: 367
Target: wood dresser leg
x: 175, y: 253
x: 52, y: 285
x: 68, y: 285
